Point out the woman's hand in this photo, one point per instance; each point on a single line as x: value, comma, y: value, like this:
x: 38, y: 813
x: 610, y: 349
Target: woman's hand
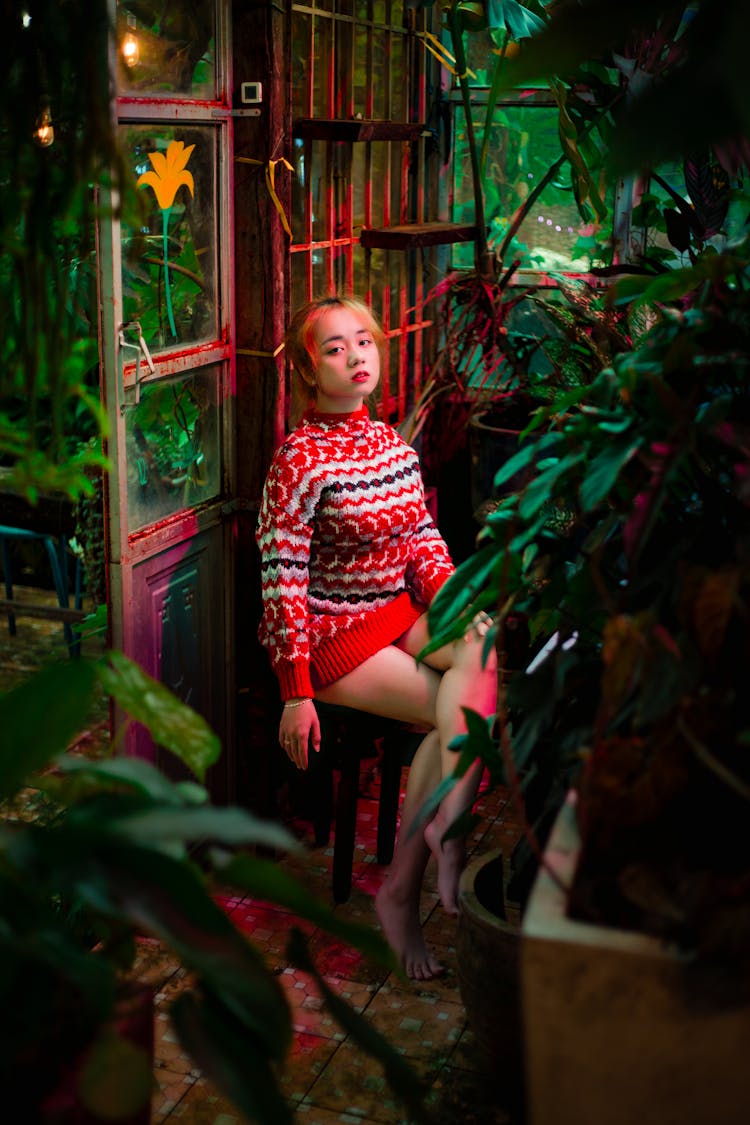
x: 299, y: 730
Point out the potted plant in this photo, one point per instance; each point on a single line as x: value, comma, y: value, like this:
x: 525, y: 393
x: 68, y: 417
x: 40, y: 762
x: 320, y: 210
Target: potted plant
x: 627, y: 552
x: 96, y: 854
x: 629, y: 548
x: 491, y: 372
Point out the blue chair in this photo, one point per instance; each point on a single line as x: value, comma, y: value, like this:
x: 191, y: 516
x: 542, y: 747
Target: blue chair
x: 57, y: 553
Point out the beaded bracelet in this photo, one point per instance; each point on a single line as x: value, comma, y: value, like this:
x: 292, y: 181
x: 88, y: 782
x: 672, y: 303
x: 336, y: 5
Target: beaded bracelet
x: 296, y: 703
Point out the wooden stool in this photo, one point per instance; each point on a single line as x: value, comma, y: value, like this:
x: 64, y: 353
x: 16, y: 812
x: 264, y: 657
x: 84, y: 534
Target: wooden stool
x: 348, y: 736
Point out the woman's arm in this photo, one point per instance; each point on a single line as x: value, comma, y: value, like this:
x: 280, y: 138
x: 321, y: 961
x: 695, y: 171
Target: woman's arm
x: 284, y: 535
x: 430, y: 564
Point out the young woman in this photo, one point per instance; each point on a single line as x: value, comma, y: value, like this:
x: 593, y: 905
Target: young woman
x: 351, y: 560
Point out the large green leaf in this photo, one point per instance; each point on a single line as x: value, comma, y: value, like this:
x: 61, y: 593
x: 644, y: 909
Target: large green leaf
x: 231, y: 826
x: 116, y: 1078
x: 136, y: 774
x: 166, y: 898
x: 578, y: 33
x: 39, y: 719
x: 171, y: 722
x: 540, y: 489
x: 270, y: 883
x: 399, y: 1074
x: 513, y: 17
x: 460, y: 591
x: 230, y: 1059
x: 604, y: 471
x: 526, y: 456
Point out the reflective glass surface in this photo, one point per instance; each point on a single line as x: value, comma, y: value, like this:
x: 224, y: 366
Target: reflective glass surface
x: 173, y: 446
x: 169, y: 263
x: 524, y: 146
x: 167, y: 50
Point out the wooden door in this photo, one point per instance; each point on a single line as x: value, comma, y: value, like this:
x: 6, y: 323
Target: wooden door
x: 167, y: 361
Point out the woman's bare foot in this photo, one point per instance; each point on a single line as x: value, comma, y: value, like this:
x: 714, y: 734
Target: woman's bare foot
x: 451, y: 857
x: 400, y: 922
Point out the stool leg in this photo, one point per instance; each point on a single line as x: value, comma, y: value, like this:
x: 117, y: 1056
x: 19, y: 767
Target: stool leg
x: 346, y: 825
x: 390, y: 791
x: 318, y: 782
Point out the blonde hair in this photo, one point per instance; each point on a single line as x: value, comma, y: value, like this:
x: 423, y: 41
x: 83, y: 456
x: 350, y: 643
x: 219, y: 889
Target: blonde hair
x: 299, y: 342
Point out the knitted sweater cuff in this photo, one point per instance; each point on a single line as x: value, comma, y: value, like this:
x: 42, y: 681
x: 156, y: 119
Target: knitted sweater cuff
x: 294, y: 681
x: 431, y: 588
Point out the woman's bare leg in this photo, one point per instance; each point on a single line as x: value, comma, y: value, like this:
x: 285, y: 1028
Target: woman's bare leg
x: 391, y: 684
x: 469, y: 680
x: 397, y: 901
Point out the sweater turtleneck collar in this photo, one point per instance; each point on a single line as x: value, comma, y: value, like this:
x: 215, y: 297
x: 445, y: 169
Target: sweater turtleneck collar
x: 318, y: 417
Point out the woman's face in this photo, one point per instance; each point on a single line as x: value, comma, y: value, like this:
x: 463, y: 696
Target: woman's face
x: 349, y: 365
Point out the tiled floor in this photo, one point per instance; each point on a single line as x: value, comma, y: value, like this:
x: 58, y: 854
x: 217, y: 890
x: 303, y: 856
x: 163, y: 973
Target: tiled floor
x: 326, y: 1079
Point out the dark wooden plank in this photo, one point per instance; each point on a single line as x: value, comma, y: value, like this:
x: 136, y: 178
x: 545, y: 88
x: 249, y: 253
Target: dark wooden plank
x: 356, y: 129
x: 413, y: 235
x: 20, y: 608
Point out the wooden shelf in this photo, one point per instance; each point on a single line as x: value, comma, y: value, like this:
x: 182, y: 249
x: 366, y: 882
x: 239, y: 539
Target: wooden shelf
x: 356, y: 129
x: 410, y: 236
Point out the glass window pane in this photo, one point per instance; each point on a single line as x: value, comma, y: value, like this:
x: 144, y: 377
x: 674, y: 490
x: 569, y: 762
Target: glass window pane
x: 359, y: 271
x: 300, y: 262
x: 524, y: 145
x: 300, y: 191
x: 173, y: 446
x: 300, y: 59
x: 344, y: 87
x: 378, y: 167
x: 360, y: 180
x: 399, y: 107
x: 322, y: 62
x: 167, y: 49
x: 320, y: 285
x: 362, y: 81
x: 719, y: 203
x: 318, y: 195
x: 169, y: 265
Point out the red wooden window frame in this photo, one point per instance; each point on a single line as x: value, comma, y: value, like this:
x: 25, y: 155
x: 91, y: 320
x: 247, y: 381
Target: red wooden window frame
x: 366, y: 60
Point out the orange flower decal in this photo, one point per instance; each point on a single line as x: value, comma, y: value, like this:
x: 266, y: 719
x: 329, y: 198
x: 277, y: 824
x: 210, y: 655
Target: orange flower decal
x: 168, y: 173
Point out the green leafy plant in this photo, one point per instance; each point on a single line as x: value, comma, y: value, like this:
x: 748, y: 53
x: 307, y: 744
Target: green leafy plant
x: 487, y: 358
x: 109, y: 857
x: 54, y: 62
x: 628, y: 550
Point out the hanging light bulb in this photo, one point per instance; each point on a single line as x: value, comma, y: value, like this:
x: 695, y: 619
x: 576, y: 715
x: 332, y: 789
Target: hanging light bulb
x: 131, y: 51
x: 44, y: 132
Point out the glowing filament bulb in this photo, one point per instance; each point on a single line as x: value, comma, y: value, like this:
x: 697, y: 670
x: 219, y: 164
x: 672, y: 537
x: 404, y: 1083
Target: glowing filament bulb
x: 131, y: 52
x: 44, y: 133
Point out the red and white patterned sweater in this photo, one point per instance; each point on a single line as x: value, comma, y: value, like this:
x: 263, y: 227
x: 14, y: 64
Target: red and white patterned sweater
x: 350, y: 555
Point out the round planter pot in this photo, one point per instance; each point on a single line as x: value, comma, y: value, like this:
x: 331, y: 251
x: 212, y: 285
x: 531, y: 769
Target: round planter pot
x: 488, y: 947
x: 612, y: 1034
x: 491, y: 444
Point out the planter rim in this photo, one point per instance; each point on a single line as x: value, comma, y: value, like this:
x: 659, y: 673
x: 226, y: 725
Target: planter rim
x: 468, y: 900
x: 546, y: 917
x: 477, y: 422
